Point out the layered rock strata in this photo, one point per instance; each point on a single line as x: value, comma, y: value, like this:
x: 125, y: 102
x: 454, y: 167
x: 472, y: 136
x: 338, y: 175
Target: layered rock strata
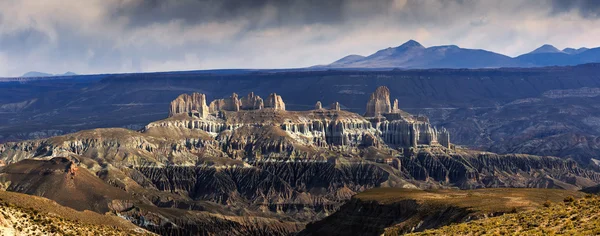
x: 318, y: 128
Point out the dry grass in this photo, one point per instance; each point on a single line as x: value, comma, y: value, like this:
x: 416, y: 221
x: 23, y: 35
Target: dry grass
x: 567, y: 217
x: 485, y: 200
x: 22, y: 214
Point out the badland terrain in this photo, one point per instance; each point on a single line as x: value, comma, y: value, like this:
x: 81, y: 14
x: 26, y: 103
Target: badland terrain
x: 251, y: 165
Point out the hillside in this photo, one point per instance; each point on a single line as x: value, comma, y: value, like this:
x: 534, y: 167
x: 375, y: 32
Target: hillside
x: 22, y: 214
x: 568, y: 217
x: 396, y: 211
x: 61, y: 180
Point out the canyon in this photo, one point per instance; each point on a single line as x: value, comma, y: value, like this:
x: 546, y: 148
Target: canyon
x: 247, y: 166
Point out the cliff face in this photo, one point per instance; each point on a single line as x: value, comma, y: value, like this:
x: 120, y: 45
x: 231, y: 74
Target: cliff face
x: 275, y: 101
x: 252, y: 102
x: 379, y: 102
x: 226, y: 104
x: 194, y: 104
x: 317, y: 128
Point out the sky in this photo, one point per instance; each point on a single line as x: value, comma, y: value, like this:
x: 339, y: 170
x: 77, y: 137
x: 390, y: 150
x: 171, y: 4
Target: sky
x: 116, y: 36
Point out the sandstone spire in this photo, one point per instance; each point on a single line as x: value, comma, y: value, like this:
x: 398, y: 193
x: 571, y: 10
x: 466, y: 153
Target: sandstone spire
x: 275, y: 101
x: 379, y: 102
x: 194, y: 104
x: 227, y: 104
x: 252, y: 102
x: 335, y: 106
x: 395, y: 106
x: 318, y: 105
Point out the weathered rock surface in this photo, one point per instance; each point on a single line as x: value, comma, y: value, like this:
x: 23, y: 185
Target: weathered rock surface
x: 226, y: 104
x: 318, y: 105
x: 275, y: 101
x: 252, y: 102
x: 335, y: 106
x: 189, y: 104
x: 379, y: 102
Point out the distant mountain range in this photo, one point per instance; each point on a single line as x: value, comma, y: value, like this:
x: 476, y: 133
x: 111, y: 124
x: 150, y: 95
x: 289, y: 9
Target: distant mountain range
x: 42, y: 74
x: 414, y: 55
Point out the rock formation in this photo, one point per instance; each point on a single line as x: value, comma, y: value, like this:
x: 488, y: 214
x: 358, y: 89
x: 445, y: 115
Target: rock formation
x: 275, y: 101
x: 335, y: 106
x: 252, y: 102
x: 226, y: 104
x: 318, y: 105
x: 391, y: 125
x: 444, y: 138
x: 194, y: 104
x: 379, y: 102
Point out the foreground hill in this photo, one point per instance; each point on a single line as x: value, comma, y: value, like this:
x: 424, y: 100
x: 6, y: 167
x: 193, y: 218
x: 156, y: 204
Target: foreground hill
x: 398, y: 211
x: 569, y: 217
x: 70, y: 183
x: 61, y: 180
x: 22, y: 214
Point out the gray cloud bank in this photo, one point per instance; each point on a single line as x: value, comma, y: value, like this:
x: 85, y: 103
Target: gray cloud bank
x: 100, y: 36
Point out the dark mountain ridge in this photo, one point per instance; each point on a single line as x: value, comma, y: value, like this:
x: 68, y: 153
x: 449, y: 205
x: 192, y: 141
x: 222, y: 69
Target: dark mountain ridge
x: 414, y: 55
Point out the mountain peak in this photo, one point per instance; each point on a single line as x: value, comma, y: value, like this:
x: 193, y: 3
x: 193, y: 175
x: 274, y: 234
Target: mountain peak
x: 546, y: 48
x: 411, y: 44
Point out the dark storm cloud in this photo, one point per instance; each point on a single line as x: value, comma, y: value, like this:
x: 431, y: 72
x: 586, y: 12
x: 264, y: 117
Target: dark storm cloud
x: 586, y: 8
x: 285, y: 12
x: 96, y: 36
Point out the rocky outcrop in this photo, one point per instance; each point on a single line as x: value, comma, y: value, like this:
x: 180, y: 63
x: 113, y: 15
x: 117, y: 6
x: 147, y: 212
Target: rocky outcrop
x: 335, y: 106
x: 252, y: 102
x: 194, y: 105
x: 226, y: 104
x: 275, y: 101
x: 318, y: 105
x: 395, y: 106
x: 379, y: 102
x: 444, y: 138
